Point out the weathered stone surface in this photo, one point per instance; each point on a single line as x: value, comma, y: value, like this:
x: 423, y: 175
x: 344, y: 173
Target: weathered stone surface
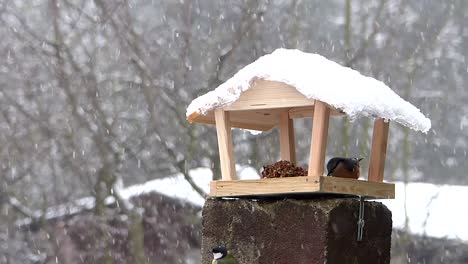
x: 296, y: 230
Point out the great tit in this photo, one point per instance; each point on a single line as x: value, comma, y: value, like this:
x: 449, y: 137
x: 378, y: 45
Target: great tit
x: 222, y: 256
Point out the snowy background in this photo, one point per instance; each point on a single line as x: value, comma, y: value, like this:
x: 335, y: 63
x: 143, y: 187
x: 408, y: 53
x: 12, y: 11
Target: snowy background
x: 429, y: 209
x: 93, y: 99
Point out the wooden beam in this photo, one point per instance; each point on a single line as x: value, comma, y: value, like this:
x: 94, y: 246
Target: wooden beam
x: 287, y: 145
x: 237, y: 122
x: 302, y: 185
x: 265, y: 94
x: 318, y: 144
x: 265, y: 186
x: 378, y: 151
x: 308, y: 111
x: 226, y: 154
x: 259, y: 119
x: 338, y: 185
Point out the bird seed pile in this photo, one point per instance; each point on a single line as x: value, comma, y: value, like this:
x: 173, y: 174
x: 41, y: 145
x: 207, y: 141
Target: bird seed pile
x: 282, y: 168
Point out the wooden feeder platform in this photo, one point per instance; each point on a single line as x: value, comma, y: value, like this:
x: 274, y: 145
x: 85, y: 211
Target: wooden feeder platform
x: 269, y: 104
x: 302, y: 185
x: 263, y: 104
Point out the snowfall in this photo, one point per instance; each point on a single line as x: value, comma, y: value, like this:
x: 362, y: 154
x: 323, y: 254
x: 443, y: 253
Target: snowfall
x: 318, y: 78
x: 428, y: 208
x: 432, y: 210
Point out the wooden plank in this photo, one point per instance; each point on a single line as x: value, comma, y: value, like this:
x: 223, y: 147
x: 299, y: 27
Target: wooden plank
x: 378, y: 150
x: 318, y: 145
x: 193, y: 117
x: 308, y: 111
x: 330, y: 184
x: 238, y: 123
x: 303, y: 185
x: 262, y: 119
x: 287, y: 144
x: 259, y: 119
x: 269, y: 94
x: 265, y: 186
x: 226, y: 154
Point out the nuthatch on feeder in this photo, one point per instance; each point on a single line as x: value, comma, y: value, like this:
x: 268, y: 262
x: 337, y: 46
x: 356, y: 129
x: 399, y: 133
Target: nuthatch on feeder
x: 344, y: 167
x: 222, y: 256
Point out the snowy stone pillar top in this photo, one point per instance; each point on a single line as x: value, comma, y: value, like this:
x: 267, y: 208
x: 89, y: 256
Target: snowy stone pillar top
x: 304, y: 77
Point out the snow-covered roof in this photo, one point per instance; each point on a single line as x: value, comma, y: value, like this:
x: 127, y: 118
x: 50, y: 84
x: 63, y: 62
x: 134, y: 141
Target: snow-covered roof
x: 317, y: 78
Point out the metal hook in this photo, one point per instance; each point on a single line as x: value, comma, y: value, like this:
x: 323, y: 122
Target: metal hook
x: 360, y: 222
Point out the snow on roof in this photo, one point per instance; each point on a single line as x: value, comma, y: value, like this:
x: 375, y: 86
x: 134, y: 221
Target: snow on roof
x: 75, y: 207
x: 175, y: 186
x: 172, y: 186
x: 317, y: 78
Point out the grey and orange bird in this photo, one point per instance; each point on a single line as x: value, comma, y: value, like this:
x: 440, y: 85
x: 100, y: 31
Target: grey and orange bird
x: 344, y: 167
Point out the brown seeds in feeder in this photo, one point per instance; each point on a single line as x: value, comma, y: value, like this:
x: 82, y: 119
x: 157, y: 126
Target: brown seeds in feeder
x: 282, y: 169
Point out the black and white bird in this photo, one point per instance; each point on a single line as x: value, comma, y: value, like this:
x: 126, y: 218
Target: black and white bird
x: 222, y: 256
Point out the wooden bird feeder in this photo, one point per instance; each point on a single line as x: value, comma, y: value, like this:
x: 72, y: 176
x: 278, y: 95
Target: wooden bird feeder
x: 266, y: 104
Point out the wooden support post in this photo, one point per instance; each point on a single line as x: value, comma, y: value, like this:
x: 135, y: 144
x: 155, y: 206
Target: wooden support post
x: 318, y: 144
x: 378, y: 151
x: 287, y: 146
x: 226, y: 154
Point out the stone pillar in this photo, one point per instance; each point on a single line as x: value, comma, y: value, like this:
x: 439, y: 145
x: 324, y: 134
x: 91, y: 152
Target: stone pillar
x: 294, y: 231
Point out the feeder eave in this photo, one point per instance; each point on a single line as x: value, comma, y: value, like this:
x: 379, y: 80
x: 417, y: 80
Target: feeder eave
x: 192, y: 118
x: 253, y: 120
